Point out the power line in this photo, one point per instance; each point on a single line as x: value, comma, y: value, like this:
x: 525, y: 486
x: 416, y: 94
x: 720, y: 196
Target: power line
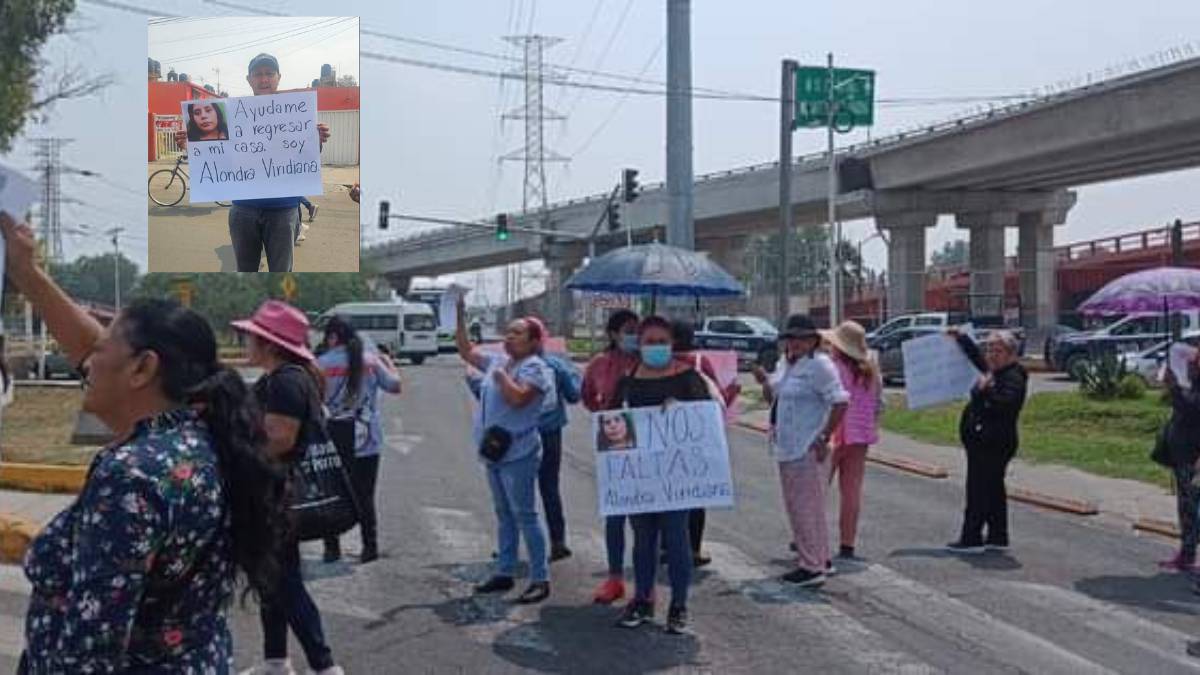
x: 612, y: 38
x: 277, y: 37
x: 204, y: 36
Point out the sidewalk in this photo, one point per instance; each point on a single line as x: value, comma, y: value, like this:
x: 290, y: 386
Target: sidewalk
x: 1120, y: 502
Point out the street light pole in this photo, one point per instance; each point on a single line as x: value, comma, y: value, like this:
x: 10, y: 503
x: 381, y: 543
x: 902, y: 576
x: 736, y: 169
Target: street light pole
x: 787, y: 116
x: 835, y: 273
x: 116, y: 233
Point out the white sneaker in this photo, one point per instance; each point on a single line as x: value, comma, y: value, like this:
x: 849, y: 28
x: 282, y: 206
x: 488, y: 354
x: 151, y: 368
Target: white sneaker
x: 271, y: 667
x: 303, y: 229
x: 331, y: 670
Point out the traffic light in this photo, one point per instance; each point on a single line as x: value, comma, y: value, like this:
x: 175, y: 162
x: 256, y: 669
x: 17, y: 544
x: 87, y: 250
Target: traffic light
x: 630, y: 184
x: 502, y: 227
x: 384, y: 207
x: 614, y: 217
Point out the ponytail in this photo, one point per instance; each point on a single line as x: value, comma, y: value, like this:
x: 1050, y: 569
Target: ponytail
x: 255, y: 487
x: 354, y: 378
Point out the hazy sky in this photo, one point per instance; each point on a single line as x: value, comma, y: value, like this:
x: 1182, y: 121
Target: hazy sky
x: 431, y: 139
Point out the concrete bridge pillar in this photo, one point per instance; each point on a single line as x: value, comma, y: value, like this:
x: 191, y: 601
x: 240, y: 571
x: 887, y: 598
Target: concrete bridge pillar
x: 561, y: 299
x: 987, y: 258
x: 400, y: 283
x: 1037, y: 266
x: 906, y: 260
x: 730, y: 254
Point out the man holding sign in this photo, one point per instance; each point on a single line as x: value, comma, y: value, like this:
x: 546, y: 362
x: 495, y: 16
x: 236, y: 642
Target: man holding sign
x: 267, y: 149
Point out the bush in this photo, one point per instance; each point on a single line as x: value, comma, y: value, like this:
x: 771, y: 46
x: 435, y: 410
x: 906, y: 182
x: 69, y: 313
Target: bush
x: 1131, y: 387
x: 1101, y: 377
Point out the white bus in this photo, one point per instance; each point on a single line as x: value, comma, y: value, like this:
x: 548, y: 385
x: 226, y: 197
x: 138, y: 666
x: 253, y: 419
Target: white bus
x: 407, y: 329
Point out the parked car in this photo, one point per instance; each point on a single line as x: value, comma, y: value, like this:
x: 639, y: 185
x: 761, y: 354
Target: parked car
x: 1148, y: 363
x: 942, y: 321
x: 755, y: 339
x: 890, y: 354
x: 1053, y: 336
x: 1131, y: 334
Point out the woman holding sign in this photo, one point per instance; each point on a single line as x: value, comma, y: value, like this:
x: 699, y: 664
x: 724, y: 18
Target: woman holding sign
x: 511, y: 394
x: 808, y: 402
x: 657, y: 381
x: 988, y: 430
x: 138, y: 572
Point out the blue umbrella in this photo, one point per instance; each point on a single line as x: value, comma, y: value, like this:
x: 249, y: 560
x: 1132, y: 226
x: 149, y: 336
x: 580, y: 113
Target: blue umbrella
x: 655, y: 269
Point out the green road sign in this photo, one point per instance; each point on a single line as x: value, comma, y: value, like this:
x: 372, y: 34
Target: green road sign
x: 853, y: 96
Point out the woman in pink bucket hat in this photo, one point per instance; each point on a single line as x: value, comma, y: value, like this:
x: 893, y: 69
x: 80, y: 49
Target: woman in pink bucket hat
x: 290, y: 394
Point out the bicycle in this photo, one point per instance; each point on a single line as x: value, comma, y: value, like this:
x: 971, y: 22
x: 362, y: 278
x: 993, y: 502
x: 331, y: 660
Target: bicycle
x: 171, y: 185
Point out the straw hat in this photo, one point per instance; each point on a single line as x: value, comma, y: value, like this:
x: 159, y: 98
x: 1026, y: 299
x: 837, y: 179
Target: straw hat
x: 850, y: 338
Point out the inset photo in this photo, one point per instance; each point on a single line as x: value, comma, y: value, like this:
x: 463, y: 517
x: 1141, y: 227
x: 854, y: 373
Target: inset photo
x: 253, y: 152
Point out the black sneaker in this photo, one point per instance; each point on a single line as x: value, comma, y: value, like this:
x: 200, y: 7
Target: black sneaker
x: 312, y: 213
x: 792, y: 546
x: 804, y: 579
x: 559, y: 552
x: 997, y: 546
x: 636, y: 613
x: 965, y: 548
x: 677, y: 620
x: 537, y: 592
x: 846, y: 553
x: 332, y: 554
x: 370, y: 553
x: 1193, y: 648
x: 700, y: 560
x: 830, y: 570
x: 497, y: 584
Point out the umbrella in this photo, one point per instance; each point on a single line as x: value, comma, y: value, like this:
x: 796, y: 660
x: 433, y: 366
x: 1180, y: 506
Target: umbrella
x: 1162, y: 289
x: 655, y: 269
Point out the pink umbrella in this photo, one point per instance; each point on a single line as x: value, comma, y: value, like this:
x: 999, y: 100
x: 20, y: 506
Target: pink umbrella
x: 1162, y: 289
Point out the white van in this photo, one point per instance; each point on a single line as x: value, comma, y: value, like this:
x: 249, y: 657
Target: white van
x: 407, y: 329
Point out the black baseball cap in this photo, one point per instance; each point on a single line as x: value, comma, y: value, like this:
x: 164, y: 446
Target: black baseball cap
x: 263, y: 60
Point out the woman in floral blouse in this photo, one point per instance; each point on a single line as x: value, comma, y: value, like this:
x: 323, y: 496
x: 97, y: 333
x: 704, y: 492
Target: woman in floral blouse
x: 136, y: 575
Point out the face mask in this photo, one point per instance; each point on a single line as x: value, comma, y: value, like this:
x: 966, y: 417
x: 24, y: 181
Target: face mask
x: 656, y: 356
x: 629, y: 343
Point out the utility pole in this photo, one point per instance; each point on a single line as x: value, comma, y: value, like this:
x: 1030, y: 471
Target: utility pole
x: 680, y: 227
x: 787, y: 116
x: 835, y: 233
x: 51, y: 170
x: 116, y: 234
x: 1176, y: 261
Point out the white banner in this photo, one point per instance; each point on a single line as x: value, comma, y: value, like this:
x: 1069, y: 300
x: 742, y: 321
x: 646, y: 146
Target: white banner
x: 448, y: 308
x: 651, y: 459
x: 936, y: 371
x: 253, y: 147
x: 1178, y: 357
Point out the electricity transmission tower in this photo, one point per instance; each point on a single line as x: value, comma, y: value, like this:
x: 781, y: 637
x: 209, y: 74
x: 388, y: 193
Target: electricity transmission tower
x: 534, y: 154
x: 51, y: 222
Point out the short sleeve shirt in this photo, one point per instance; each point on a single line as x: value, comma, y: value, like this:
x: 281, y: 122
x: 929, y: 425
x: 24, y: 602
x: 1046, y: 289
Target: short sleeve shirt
x: 522, y: 422
x: 289, y: 391
x: 805, y: 393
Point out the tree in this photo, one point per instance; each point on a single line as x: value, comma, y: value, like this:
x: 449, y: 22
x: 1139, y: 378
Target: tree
x: 347, y: 81
x: 26, y: 92
x: 953, y: 254
x: 808, y: 261
x: 90, y: 278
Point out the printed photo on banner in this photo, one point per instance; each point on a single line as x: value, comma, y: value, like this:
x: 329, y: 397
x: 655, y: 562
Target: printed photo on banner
x: 662, y: 459
x: 253, y: 159
x: 936, y: 371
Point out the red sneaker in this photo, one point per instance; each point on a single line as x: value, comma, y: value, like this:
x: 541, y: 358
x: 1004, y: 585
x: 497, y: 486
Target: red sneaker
x: 610, y: 591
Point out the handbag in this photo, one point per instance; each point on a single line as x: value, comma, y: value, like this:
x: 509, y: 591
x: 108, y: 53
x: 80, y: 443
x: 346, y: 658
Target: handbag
x: 496, y: 439
x: 323, y: 503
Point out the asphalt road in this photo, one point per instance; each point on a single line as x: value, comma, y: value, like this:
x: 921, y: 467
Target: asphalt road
x: 1072, y: 596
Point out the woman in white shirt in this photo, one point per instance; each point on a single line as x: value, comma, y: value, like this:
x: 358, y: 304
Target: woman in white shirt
x: 808, y: 402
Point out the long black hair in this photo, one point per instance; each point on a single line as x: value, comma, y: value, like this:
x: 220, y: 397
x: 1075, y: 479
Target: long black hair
x: 346, y: 336
x: 194, y: 133
x: 617, y: 321
x: 190, y: 373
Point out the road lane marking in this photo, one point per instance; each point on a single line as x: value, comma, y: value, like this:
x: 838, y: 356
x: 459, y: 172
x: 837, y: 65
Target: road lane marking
x: 947, y: 618
x: 813, y: 614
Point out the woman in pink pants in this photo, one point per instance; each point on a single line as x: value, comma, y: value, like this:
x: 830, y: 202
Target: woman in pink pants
x: 859, y: 428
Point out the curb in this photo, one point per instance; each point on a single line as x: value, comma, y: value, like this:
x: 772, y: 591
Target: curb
x: 15, y: 534
x: 1156, y: 526
x: 42, y: 477
x: 893, y: 461
x: 1079, y: 507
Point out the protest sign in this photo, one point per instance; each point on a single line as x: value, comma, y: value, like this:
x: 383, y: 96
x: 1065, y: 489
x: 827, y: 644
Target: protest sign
x: 1178, y: 357
x: 253, y: 147
x: 936, y: 371
x: 656, y: 459
x: 448, y: 307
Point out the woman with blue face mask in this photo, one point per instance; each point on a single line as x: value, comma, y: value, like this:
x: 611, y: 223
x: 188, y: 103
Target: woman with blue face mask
x: 598, y: 393
x: 658, y: 380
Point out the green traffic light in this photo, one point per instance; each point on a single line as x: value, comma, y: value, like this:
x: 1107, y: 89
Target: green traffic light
x: 501, y: 236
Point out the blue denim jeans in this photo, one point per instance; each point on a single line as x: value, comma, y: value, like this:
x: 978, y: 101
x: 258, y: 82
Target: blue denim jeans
x: 614, y: 542
x: 672, y: 526
x: 514, y: 496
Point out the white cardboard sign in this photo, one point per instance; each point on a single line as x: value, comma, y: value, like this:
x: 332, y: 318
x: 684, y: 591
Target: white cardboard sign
x: 1178, y: 357
x: 936, y: 371
x: 656, y: 459
x: 253, y: 147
